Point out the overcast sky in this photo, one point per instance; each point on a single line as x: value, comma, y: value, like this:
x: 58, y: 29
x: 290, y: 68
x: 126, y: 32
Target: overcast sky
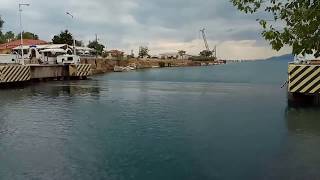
x: 162, y: 25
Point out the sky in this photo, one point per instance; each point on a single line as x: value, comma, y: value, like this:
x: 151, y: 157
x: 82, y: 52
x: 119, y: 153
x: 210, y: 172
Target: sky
x: 165, y: 26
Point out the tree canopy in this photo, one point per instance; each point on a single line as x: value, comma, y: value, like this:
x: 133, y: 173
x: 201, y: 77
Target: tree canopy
x: 181, y: 52
x: 97, y: 46
x: 27, y: 35
x: 2, y: 36
x: 1, y: 23
x: 65, y: 37
x: 79, y: 43
x: 9, y: 36
x: 299, y: 22
x: 143, y: 51
x: 206, y: 53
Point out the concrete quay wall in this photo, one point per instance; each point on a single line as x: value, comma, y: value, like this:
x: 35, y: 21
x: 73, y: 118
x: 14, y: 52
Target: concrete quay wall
x: 101, y: 65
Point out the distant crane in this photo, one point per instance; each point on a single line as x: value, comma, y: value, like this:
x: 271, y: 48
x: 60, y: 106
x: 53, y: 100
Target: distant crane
x: 203, y: 31
x: 205, y: 39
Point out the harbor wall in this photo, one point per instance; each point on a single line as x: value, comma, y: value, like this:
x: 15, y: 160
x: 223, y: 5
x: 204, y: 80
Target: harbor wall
x: 42, y: 71
x: 101, y: 65
x: 15, y: 74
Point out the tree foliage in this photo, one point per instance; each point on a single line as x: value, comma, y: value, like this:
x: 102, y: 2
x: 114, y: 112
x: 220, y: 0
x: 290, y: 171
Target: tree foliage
x: 4, y: 37
x: 79, y: 43
x: 10, y: 36
x: 143, y: 51
x: 97, y: 46
x: 1, y: 23
x: 182, y: 52
x: 27, y: 35
x: 299, y: 22
x: 206, y: 53
x: 65, y: 37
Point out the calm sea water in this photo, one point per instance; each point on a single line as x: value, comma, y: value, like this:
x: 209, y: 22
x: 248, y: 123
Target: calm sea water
x: 222, y: 122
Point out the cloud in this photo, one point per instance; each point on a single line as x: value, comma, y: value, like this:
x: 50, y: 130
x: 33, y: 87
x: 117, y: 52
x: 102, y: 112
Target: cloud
x: 165, y: 26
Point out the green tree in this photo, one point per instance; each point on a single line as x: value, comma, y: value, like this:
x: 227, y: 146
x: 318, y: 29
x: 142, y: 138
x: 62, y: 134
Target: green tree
x: 97, y: 46
x: 65, y: 37
x: 181, y: 52
x: 206, y: 53
x: 294, y: 22
x: 79, y: 43
x: 27, y: 35
x: 2, y: 39
x: 1, y: 23
x: 9, y: 35
x: 143, y: 51
x: 5, y: 37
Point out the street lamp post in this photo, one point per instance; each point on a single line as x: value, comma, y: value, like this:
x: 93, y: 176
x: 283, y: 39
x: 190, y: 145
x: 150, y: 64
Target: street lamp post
x: 21, y: 30
x: 74, y: 40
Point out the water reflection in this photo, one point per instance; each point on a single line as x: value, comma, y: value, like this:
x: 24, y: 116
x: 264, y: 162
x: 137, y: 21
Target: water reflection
x: 52, y: 89
x: 43, y: 98
x: 298, y: 156
x: 69, y: 88
x: 303, y: 120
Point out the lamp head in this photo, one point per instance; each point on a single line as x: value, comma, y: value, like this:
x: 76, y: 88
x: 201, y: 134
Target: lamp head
x: 24, y: 4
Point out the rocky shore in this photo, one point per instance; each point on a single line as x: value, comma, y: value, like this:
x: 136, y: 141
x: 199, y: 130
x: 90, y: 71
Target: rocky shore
x: 100, y: 65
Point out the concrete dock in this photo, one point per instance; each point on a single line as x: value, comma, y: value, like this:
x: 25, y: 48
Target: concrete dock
x: 23, y: 73
x: 304, y: 83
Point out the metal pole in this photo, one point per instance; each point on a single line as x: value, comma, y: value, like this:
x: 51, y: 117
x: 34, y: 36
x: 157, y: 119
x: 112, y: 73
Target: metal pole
x: 74, y: 47
x: 21, y: 40
x: 74, y: 40
x: 21, y: 31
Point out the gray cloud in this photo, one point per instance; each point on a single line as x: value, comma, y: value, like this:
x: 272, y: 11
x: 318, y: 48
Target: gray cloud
x: 126, y: 24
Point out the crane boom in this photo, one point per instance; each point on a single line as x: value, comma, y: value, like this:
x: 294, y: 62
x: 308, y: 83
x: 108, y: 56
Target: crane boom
x: 205, y: 39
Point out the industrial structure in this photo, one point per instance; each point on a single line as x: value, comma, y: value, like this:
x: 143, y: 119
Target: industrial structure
x: 204, y: 37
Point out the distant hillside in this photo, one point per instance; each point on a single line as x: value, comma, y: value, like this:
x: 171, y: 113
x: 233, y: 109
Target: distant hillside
x: 286, y: 57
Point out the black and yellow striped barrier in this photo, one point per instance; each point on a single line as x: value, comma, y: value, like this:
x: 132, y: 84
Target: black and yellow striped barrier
x: 80, y: 70
x: 304, y: 79
x: 14, y: 73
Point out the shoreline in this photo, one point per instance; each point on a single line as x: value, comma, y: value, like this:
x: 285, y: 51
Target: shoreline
x: 101, y: 65
x: 19, y: 75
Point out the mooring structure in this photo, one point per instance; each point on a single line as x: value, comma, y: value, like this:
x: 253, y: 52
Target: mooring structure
x: 15, y: 74
x: 304, y: 82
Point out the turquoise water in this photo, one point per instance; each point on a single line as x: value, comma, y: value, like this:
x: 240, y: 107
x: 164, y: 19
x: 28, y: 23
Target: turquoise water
x: 223, y: 122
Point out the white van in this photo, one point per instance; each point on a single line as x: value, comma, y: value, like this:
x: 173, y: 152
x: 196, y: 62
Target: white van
x: 68, y: 59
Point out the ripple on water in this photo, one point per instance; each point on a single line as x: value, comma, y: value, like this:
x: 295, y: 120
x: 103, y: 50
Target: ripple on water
x: 186, y: 123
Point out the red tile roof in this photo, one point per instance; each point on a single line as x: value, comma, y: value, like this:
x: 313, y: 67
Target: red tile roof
x: 115, y: 52
x: 16, y: 43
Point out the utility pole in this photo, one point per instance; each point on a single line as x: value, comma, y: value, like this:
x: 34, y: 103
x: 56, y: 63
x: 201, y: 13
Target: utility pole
x: 74, y: 39
x: 21, y: 31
